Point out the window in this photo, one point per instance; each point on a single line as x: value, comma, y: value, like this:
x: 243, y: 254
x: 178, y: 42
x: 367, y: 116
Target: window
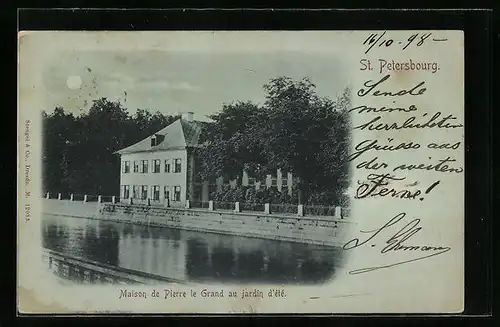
x: 156, y: 166
x: 144, y: 166
x: 126, y: 167
x: 284, y: 182
x: 144, y: 192
x: 156, y: 139
x: 177, y: 165
x: 167, y: 166
x: 251, y: 181
x: 156, y: 192
x: 177, y: 193
x: 136, y: 166
x: 274, y: 182
x: 135, y: 192
x: 166, y: 192
x: 125, y: 191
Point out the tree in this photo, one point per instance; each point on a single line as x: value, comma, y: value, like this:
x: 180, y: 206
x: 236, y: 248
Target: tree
x: 229, y: 144
x: 298, y: 127
x: 57, y: 134
x: 295, y: 130
x: 335, y: 149
x: 78, y: 152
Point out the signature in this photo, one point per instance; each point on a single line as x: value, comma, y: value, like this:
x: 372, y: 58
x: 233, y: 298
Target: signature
x: 396, y: 243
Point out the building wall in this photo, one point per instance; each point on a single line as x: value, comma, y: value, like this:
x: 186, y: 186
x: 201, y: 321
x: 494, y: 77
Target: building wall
x: 181, y: 179
x: 161, y: 179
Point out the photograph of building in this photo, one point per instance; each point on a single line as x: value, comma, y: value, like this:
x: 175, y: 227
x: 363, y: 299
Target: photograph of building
x: 162, y: 168
x: 195, y: 166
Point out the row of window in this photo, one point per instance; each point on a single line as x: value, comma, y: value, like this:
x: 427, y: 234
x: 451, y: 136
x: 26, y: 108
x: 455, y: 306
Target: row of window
x: 141, y: 192
x: 142, y: 166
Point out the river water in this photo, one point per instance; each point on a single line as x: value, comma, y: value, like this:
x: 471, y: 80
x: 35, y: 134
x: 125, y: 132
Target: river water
x: 190, y: 256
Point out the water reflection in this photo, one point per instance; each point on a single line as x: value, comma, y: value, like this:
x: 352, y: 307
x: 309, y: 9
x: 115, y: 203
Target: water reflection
x: 191, y: 256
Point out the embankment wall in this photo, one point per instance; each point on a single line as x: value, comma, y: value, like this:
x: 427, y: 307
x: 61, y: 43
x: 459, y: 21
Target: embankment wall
x: 313, y: 230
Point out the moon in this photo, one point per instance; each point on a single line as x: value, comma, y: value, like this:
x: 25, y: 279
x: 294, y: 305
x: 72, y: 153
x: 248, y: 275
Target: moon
x: 74, y: 82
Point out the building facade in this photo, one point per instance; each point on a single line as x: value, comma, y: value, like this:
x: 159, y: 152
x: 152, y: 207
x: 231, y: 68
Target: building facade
x: 160, y: 169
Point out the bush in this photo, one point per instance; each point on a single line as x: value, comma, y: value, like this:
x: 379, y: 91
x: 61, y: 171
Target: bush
x: 322, y: 199
x: 248, y: 194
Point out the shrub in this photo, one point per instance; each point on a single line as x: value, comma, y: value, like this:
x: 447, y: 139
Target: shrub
x: 248, y: 194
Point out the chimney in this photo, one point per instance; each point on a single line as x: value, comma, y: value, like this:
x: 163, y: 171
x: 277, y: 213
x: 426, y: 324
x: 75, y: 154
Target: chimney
x: 187, y: 115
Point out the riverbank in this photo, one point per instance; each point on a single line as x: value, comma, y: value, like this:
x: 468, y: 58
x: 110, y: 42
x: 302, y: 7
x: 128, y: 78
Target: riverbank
x: 322, y: 230
x: 92, y: 272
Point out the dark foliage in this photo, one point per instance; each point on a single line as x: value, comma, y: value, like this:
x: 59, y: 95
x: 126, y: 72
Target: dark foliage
x: 78, y: 151
x: 295, y: 130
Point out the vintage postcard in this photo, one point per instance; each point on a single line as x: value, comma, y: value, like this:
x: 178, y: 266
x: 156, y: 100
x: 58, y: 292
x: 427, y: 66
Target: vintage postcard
x: 190, y: 172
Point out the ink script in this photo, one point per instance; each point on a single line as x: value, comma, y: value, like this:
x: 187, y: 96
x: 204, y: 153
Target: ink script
x: 399, y: 240
x: 407, y: 151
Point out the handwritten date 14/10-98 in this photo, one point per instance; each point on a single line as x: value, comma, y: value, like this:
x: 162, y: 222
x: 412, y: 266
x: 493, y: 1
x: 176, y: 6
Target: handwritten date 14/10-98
x: 382, y: 40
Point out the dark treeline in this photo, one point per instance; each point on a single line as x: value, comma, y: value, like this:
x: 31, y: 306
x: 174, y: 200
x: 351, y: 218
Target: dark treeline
x: 78, y: 150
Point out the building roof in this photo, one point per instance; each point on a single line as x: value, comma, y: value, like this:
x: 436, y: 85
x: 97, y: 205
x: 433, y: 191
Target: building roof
x: 180, y: 134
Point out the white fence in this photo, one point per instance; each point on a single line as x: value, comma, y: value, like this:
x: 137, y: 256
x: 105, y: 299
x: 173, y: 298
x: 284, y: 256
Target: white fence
x: 267, y: 208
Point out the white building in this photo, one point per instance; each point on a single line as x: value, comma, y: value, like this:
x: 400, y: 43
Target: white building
x: 162, y: 167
